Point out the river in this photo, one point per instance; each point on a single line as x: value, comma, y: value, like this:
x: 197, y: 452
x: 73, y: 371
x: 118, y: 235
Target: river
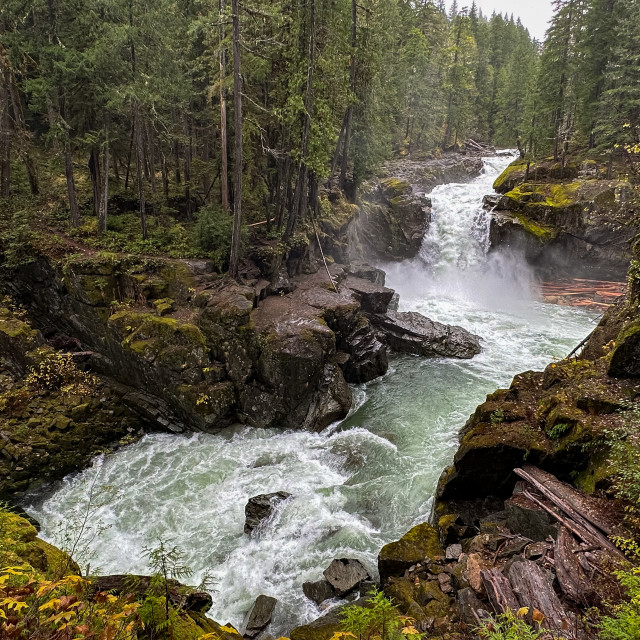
x: 357, y: 485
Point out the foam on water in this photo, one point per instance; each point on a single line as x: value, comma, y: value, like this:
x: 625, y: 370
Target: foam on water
x: 358, y: 485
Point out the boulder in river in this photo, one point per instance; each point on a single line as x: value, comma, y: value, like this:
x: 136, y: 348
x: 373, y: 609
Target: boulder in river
x: 411, y: 332
x: 345, y: 575
x: 367, y: 355
x: 261, y: 507
x: 365, y: 271
x: 373, y: 298
x: 318, y: 591
x: 259, y: 616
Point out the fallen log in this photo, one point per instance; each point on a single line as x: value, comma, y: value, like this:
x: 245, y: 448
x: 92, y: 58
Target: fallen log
x: 572, y: 578
x: 499, y: 591
x: 575, y: 505
x: 534, y: 591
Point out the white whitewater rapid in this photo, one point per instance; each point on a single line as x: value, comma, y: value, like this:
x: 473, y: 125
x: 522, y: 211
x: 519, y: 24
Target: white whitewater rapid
x: 359, y: 484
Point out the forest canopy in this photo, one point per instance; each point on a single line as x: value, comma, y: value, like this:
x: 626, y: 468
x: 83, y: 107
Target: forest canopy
x: 251, y: 107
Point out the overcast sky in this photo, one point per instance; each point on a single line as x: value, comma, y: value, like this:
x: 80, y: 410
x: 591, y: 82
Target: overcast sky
x: 535, y: 14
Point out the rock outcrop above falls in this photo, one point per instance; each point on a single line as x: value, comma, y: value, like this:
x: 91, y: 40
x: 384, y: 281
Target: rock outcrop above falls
x: 573, y: 221
x: 393, y: 213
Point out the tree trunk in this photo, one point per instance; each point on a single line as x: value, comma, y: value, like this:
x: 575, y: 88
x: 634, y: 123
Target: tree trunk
x: 21, y: 129
x: 186, y: 130
x: 301, y: 183
x: 224, y: 153
x: 74, y: 209
x: 129, y: 154
x: 151, y: 146
x: 139, y: 168
x: 5, y: 140
x: 336, y: 153
x: 165, y: 177
x: 352, y: 84
x: 234, y: 261
x: 94, y: 172
x: 64, y: 148
x: 104, y: 205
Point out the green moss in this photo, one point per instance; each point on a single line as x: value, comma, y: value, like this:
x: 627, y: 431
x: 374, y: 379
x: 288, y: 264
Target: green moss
x: 627, y: 332
x: 510, y: 174
x: 599, y: 469
x: 563, y: 195
x: 395, y: 187
x: 421, y: 542
x: 14, y: 328
x: 542, y: 232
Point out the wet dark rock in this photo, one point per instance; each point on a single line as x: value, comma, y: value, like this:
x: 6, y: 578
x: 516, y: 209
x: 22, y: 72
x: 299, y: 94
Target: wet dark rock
x: 419, y: 544
x: 513, y: 547
x: 367, y: 355
x: 391, y: 223
x: 282, y: 284
x: 536, y: 550
x: 529, y: 519
x: 625, y: 360
x: 373, y: 298
x: 261, y: 507
x: 181, y: 597
x: 345, y: 575
x: 318, y: 591
x: 576, y: 228
x: 395, y: 302
x: 471, y: 608
x: 325, y: 627
x: 367, y: 272
x: 259, y: 616
x: 410, y: 332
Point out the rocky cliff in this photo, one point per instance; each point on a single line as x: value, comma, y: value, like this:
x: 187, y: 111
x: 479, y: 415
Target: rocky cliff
x: 573, y: 219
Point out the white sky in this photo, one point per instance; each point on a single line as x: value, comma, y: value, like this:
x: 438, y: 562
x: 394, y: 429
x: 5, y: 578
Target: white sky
x: 535, y: 14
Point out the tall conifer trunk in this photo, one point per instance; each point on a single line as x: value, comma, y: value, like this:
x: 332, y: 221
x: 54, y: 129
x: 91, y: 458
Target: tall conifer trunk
x: 224, y: 152
x: 301, y: 182
x: 234, y: 261
x: 139, y: 144
x: 352, y: 84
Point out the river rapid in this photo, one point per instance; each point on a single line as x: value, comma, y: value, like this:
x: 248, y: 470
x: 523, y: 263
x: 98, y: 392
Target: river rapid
x: 356, y: 486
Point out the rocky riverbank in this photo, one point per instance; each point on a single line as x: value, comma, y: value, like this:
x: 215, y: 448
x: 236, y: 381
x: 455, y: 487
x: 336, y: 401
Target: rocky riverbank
x: 169, y: 345
x: 526, y: 515
x: 166, y: 344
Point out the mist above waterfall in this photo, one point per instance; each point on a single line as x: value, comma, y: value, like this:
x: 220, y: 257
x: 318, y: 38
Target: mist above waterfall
x: 455, y: 263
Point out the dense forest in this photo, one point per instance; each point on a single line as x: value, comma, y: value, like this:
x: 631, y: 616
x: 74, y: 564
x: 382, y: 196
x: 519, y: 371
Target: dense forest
x: 255, y: 107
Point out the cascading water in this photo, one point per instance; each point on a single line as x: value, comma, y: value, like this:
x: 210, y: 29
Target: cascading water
x: 356, y: 486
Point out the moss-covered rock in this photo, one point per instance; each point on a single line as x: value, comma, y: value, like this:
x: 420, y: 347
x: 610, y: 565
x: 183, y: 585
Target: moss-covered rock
x: 555, y: 419
x: 510, y: 177
x: 415, y: 546
x: 575, y: 224
x: 18, y: 342
x: 625, y: 357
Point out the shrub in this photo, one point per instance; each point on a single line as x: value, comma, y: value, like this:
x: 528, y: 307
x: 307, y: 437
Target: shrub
x: 212, y: 235
x: 624, y: 623
x: 58, y: 372
x: 380, y: 619
x: 511, y: 626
